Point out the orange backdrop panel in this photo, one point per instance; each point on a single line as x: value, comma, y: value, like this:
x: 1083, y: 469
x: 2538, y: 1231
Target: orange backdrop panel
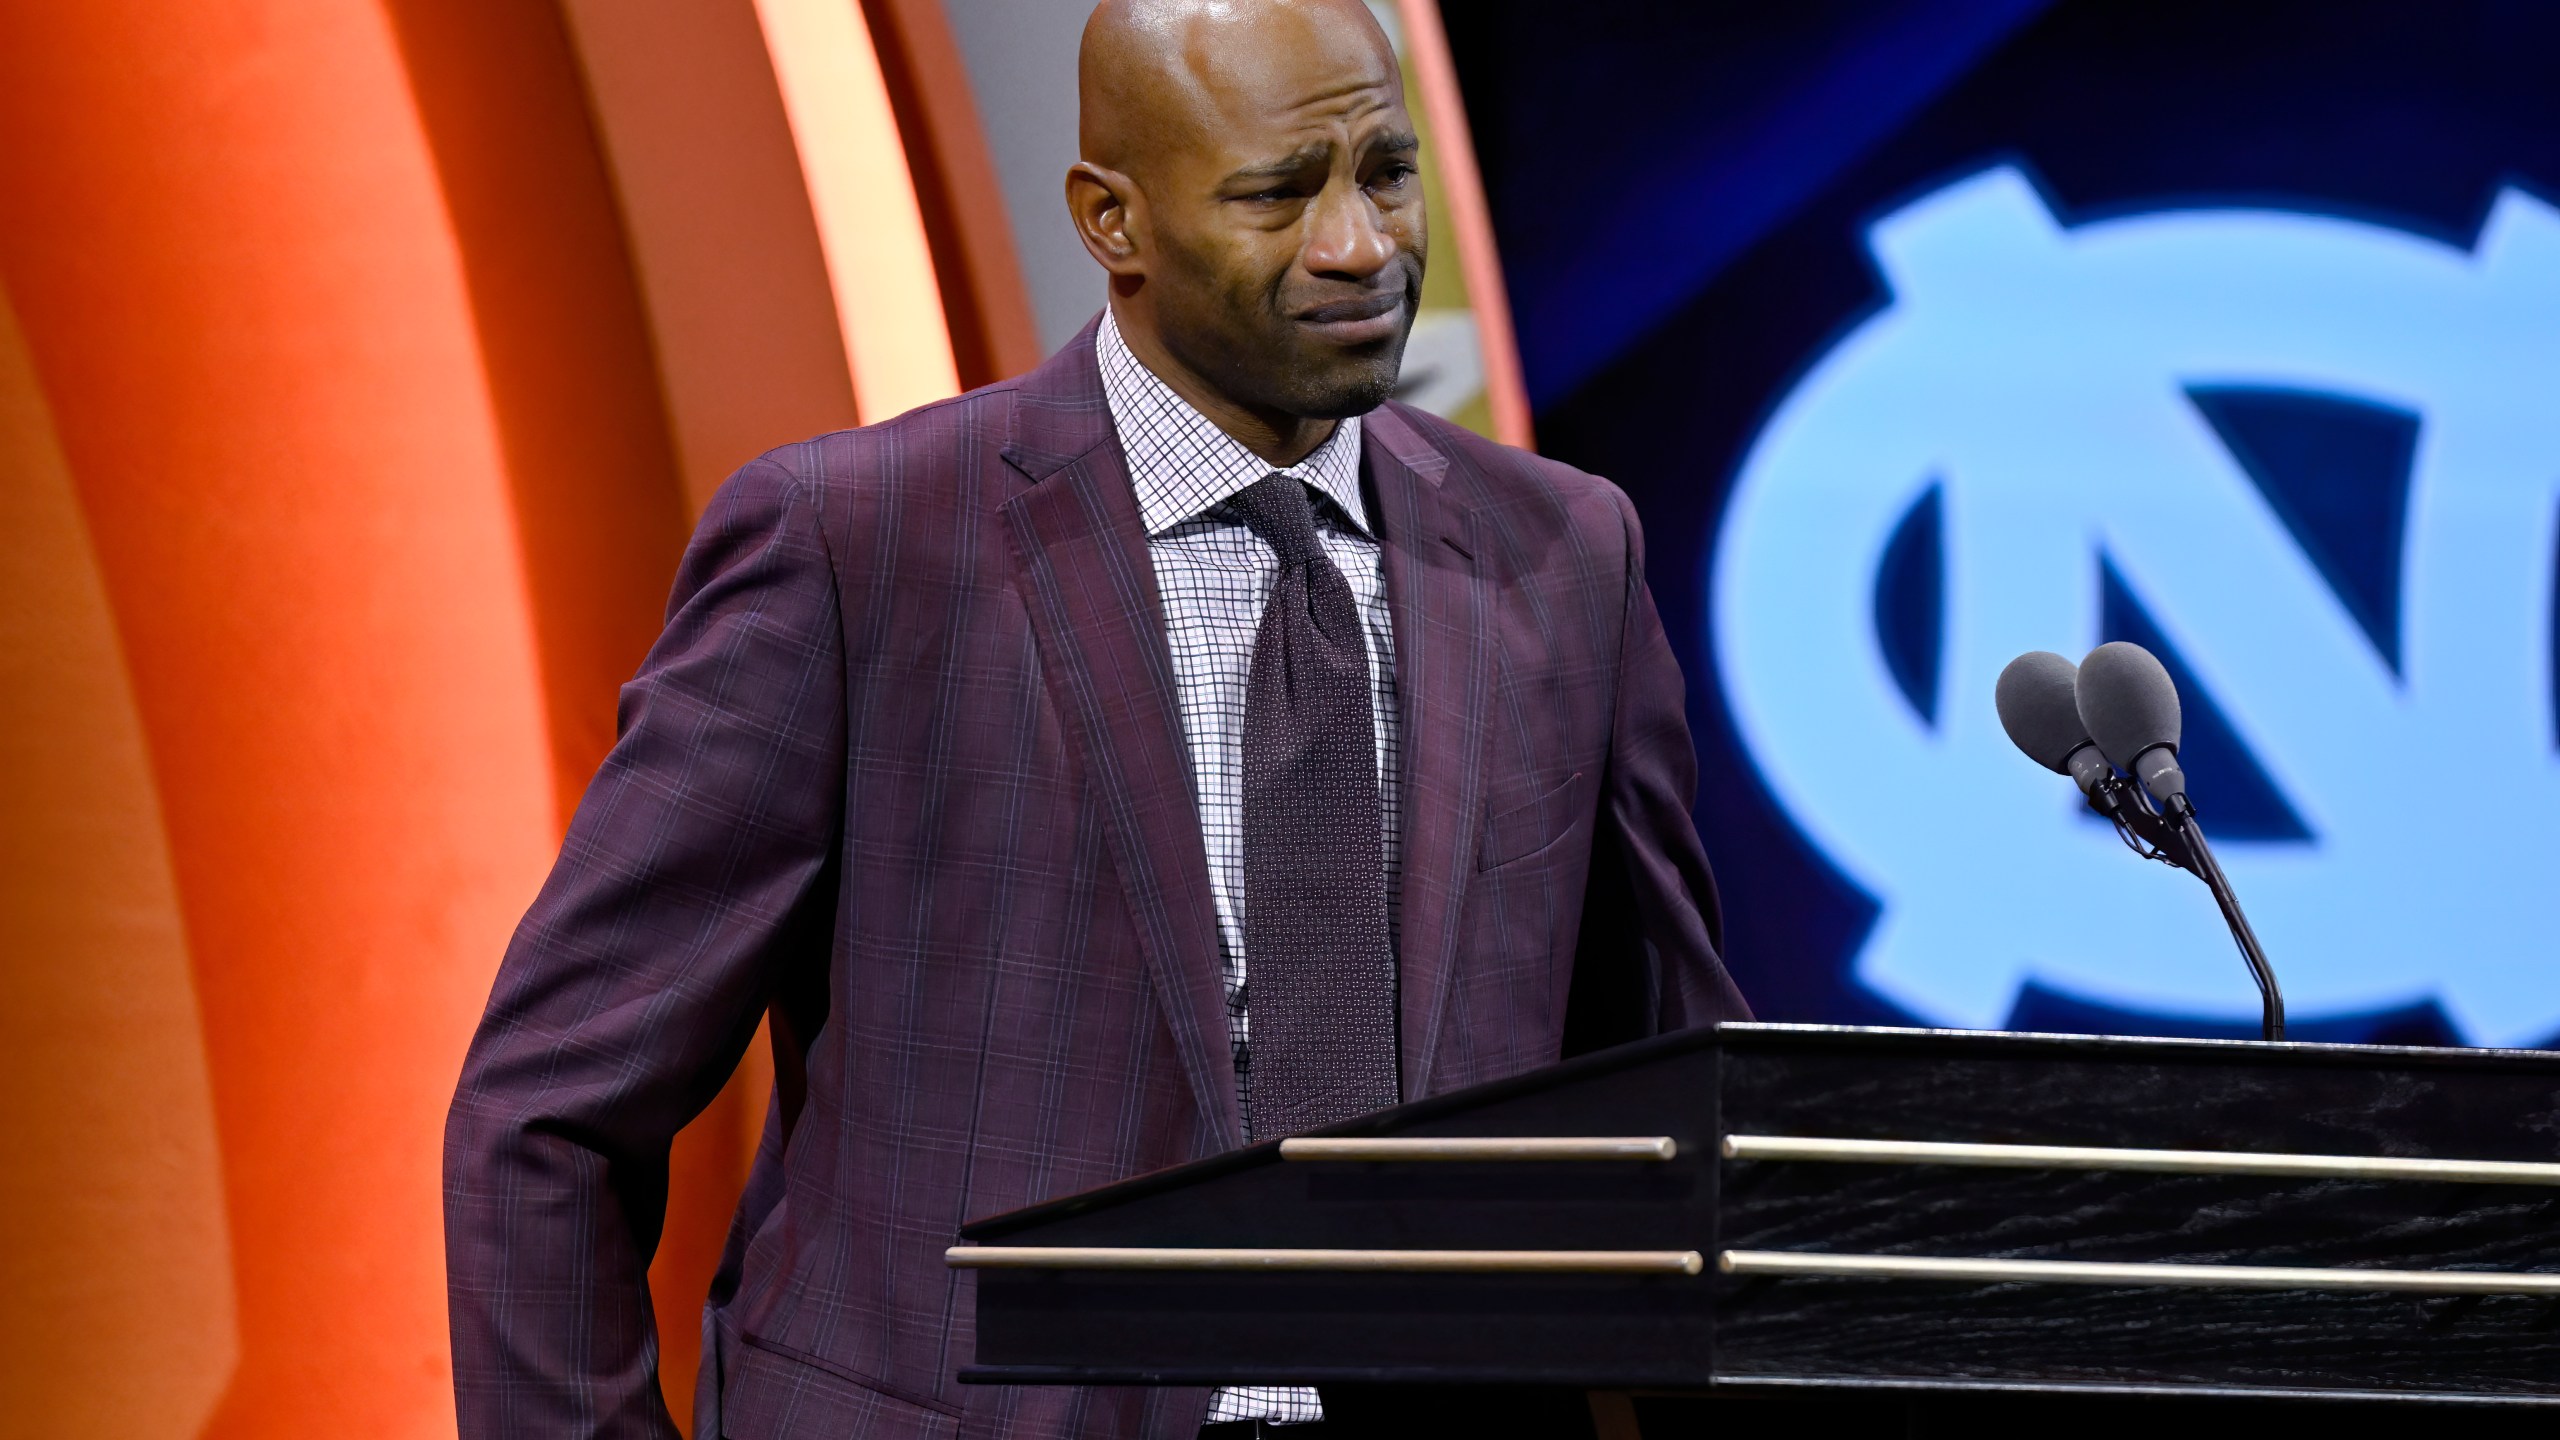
x: 984, y: 301
x: 353, y: 406
x: 599, y: 509
x: 718, y: 223
x: 241, y: 288
x: 112, y: 1242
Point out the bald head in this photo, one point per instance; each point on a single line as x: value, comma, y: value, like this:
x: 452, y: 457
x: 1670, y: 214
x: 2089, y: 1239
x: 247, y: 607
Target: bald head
x: 1154, y: 75
x: 1248, y: 181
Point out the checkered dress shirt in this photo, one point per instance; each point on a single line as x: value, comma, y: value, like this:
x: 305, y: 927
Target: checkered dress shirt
x: 1215, y: 575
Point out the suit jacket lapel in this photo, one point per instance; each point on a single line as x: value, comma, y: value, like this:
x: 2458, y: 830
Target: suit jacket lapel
x: 1080, y: 558
x: 1444, y: 684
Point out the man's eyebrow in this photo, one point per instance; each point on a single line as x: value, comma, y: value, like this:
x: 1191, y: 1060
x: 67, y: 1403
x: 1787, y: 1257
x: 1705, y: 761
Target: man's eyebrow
x: 1319, y: 152
x: 1316, y: 152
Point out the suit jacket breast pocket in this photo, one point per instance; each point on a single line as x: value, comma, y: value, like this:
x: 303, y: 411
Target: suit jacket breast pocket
x: 1523, y: 830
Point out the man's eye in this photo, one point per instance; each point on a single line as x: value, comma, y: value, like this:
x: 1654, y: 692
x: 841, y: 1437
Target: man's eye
x: 1393, y: 176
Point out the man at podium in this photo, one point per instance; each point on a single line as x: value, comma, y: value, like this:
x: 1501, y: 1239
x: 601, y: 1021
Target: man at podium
x: 1180, y: 746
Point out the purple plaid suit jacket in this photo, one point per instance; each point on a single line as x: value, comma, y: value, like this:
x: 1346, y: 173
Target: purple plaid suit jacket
x: 906, y: 767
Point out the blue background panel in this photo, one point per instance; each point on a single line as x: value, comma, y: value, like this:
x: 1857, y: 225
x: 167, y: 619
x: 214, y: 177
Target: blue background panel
x: 1691, y: 199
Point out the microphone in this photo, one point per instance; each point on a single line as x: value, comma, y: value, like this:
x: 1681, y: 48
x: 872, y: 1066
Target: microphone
x: 2118, y: 709
x: 2040, y: 708
x: 2130, y: 706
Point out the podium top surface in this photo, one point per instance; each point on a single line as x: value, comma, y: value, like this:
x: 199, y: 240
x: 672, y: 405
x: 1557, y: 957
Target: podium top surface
x: 1766, y: 1037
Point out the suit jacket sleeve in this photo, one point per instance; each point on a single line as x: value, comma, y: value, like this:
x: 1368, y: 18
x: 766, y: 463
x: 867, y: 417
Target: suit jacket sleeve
x: 1652, y: 897
x: 696, y: 868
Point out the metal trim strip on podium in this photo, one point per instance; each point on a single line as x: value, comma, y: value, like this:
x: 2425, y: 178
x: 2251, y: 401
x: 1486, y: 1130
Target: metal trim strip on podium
x: 1410, y: 1262
x: 2173, y: 1162
x: 1446, y: 1148
x: 1803, y: 1265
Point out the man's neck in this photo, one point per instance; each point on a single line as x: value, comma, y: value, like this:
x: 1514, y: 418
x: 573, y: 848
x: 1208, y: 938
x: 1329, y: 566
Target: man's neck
x: 1278, y: 439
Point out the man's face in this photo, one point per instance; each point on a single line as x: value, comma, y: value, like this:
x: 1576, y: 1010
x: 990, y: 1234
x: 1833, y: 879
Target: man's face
x: 1287, y: 227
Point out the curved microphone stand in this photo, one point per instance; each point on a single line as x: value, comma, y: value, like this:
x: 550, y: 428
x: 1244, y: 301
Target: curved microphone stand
x: 2176, y: 839
x: 2270, y: 999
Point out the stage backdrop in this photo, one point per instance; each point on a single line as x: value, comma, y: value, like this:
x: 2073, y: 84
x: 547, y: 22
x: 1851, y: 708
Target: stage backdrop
x: 1926, y: 334
x: 363, y: 364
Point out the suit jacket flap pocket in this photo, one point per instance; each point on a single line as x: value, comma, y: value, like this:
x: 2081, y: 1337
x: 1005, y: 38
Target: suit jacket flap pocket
x: 1526, y: 829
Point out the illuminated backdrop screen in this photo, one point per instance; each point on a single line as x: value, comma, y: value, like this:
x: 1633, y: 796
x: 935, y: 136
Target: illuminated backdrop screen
x: 1925, y: 334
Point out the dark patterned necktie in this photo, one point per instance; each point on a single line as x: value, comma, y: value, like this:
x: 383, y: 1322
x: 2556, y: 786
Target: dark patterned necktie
x: 1319, y: 973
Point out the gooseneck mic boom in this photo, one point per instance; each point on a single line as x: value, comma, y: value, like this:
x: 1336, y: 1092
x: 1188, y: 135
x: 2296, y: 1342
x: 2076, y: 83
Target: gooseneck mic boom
x: 2128, y: 703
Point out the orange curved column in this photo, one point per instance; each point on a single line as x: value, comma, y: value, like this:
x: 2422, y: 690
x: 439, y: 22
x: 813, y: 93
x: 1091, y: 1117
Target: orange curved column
x: 563, y: 347
x: 717, y: 218
x: 986, y: 305
x: 1445, y: 112
x: 379, y: 348
x: 870, y: 226
x: 112, y: 1240
x: 241, y: 288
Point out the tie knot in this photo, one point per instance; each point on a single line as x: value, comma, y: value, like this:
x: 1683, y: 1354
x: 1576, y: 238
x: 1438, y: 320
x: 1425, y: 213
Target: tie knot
x: 1278, y: 508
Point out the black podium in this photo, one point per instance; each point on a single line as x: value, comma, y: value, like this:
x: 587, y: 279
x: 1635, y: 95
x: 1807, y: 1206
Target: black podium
x: 1772, y: 1209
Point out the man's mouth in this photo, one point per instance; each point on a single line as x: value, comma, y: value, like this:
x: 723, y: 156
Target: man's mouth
x: 1362, y: 321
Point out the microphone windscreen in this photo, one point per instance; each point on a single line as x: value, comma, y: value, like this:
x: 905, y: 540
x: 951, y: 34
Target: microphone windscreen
x: 2128, y: 702
x: 2038, y: 707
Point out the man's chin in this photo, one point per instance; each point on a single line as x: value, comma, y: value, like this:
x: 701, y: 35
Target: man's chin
x: 1346, y: 387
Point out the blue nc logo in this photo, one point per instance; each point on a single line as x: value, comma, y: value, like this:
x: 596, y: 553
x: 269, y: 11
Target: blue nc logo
x: 2314, y: 462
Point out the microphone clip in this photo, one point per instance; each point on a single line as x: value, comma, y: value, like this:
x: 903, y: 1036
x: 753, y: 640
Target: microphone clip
x: 2143, y: 828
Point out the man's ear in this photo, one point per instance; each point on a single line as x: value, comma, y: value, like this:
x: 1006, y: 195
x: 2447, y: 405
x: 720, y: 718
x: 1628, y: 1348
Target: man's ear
x: 1102, y: 203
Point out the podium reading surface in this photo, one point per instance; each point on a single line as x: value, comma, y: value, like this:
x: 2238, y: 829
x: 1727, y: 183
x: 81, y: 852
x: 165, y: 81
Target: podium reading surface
x: 1777, y: 1207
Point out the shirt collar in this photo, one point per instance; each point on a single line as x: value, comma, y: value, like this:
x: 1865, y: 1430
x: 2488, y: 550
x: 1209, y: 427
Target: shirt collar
x: 1181, y: 463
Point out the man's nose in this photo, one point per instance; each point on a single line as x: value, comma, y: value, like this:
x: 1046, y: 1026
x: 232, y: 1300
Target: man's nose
x: 1348, y: 237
